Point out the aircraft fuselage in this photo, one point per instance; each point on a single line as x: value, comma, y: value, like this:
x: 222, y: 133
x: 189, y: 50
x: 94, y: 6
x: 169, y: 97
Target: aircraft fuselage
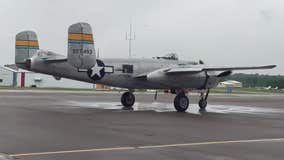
x: 122, y: 73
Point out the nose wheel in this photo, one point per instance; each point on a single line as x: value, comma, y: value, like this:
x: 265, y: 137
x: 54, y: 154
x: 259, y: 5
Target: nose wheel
x: 181, y: 102
x: 128, y: 99
x: 202, y: 104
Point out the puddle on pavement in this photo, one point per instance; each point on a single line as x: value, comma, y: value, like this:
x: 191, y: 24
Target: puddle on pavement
x: 168, y: 107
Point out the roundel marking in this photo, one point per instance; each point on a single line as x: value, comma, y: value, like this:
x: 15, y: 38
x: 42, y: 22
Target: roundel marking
x: 97, y: 72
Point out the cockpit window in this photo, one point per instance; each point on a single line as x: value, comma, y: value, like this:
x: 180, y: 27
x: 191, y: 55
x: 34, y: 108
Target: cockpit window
x: 126, y: 68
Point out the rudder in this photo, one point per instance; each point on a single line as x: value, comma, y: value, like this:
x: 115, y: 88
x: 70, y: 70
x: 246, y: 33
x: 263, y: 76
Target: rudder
x: 26, y: 46
x: 81, y: 50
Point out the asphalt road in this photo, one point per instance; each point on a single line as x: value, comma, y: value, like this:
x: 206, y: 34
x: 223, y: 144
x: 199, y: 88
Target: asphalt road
x: 84, y: 125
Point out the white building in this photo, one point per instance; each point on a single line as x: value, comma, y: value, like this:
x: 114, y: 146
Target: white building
x: 6, y: 77
x: 10, y: 78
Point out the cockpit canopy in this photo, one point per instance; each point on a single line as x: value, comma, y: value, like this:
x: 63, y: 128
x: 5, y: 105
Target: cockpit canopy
x: 170, y: 56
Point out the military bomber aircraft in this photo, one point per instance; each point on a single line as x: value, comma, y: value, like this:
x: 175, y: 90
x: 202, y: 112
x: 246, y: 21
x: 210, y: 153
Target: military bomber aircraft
x: 81, y: 64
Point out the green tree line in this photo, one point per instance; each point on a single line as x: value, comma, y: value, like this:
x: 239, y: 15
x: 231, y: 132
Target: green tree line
x: 257, y: 80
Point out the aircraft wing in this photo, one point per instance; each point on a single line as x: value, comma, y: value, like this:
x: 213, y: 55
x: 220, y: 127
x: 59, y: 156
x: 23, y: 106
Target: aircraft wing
x: 200, y: 69
x: 225, y: 71
x: 183, y: 70
x: 238, y: 68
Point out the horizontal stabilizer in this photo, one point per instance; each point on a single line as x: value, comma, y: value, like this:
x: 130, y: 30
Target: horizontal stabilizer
x: 49, y: 57
x: 14, y: 68
x: 55, y: 59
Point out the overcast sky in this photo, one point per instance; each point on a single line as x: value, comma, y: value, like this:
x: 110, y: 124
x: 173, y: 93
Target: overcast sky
x: 220, y: 32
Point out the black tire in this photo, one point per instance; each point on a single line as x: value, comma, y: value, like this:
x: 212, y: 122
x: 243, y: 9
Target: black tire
x: 127, y: 99
x: 202, y: 104
x: 181, y: 103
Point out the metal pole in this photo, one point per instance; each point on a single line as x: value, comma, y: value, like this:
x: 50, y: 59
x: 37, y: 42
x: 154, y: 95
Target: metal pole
x: 130, y: 38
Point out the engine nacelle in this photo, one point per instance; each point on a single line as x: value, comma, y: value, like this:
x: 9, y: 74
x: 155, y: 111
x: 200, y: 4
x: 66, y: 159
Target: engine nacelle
x: 199, y: 80
x: 157, y: 76
x: 57, y: 78
x: 81, y: 49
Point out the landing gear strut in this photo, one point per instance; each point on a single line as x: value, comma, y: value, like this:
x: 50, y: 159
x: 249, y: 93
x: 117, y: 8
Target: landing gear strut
x: 128, y: 99
x: 181, y: 102
x: 203, y: 100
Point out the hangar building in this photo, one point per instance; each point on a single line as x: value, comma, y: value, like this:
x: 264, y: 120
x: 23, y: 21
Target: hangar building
x: 9, y: 77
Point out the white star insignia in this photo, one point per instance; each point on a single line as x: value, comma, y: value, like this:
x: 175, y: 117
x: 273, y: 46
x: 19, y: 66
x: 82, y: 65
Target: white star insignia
x: 96, y: 70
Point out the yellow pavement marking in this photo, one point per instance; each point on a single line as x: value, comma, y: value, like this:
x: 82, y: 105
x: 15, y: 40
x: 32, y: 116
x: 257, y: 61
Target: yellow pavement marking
x: 214, y: 142
x: 147, y: 147
x: 71, y: 151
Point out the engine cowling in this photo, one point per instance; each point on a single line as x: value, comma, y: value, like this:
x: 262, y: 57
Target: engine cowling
x: 81, y: 49
x: 157, y: 76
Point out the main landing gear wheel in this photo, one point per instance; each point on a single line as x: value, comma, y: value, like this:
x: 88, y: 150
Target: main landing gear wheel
x: 181, y: 102
x: 127, y: 99
x: 203, y: 100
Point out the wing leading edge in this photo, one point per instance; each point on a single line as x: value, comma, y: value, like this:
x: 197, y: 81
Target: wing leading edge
x: 238, y: 68
x: 225, y: 71
x: 196, y: 70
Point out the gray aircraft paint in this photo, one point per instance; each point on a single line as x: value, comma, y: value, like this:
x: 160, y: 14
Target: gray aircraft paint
x: 81, y: 50
x: 81, y: 65
x: 124, y: 80
x: 26, y: 46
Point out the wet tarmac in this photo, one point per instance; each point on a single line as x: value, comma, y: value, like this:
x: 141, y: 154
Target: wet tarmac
x: 92, y: 125
x: 168, y: 107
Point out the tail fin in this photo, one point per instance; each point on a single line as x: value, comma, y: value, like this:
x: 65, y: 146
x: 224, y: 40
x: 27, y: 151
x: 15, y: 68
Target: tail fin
x: 26, y: 46
x: 81, y: 49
